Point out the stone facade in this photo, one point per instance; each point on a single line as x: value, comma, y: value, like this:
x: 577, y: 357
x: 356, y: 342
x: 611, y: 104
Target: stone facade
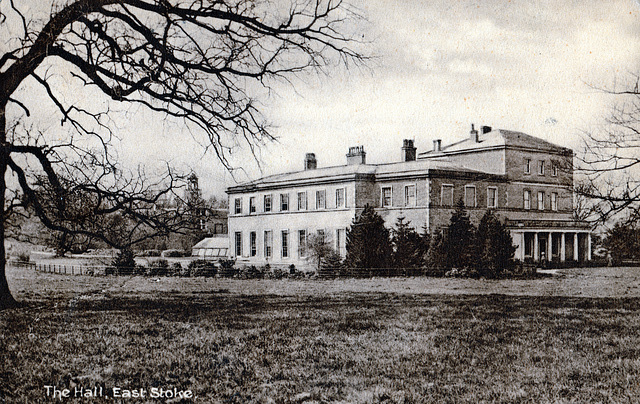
x: 525, y: 180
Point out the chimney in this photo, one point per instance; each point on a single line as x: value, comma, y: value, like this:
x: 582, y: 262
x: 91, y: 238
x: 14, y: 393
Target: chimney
x: 310, y: 162
x: 437, y: 145
x: 474, y: 134
x: 486, y: 129
x: 408, y: 150
x: 356, y: 155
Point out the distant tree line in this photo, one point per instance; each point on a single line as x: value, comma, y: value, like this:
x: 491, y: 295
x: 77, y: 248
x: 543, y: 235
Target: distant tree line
x: 459, y: 249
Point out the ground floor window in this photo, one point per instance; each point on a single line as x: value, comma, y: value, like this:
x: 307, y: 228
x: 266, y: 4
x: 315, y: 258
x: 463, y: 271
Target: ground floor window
x: 285, y: 243
x: 268, y: 243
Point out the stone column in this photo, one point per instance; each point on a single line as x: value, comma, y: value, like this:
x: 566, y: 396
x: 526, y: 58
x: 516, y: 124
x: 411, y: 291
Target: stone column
x: 563, y: 247
x: 536, y: 247
x: 589, y: 246
x: 575, y: 246
x: 522, y: 246
x: 550, y: 247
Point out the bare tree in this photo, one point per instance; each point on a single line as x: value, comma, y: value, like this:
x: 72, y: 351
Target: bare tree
x: 608, y: 170
x: 195, y: 61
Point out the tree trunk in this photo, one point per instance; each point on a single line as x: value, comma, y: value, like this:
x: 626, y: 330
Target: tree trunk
x: 6, y: 299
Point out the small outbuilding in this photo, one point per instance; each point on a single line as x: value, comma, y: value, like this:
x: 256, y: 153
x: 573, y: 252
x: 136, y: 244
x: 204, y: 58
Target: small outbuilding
x: 212, y: 248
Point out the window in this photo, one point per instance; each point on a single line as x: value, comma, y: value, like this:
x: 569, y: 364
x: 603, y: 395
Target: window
x: 252, y: 204
x: 554, y: 170
x: 386, y: 197
x: 492, y: 197
x: 410, y: 195
x: 321, y: 199
x: 267, y: 203
x: 527, y: 166
x: 302, y: 200
x: 238, y: 240
x: 218, y: 228
x: 554, y: 201
x: 253, y: 243
x: 541, y: 167
x: 284, y: 202
x: 446, y: 198
x: 238, y: 206
x: 341, y: 242
x: 203, y: 224
x: 540, y: 200
x: 527, y: 199
x: 302, y: 243
x: 285, y: 243
x: 268, y: 243
x: 340, y: 198
x: 320, y: 235
x: 470, y: 196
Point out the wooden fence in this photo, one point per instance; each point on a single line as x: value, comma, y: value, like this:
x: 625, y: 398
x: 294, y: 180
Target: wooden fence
x: 60, y: 268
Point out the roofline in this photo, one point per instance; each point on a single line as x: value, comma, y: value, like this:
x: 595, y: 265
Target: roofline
x: 444, y: 152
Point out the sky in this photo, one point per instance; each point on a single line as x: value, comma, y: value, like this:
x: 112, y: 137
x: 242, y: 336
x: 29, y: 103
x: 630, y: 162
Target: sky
x: 438, y: 66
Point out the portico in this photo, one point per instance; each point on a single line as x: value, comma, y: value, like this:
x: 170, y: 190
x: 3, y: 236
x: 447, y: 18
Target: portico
x: 562, y: 245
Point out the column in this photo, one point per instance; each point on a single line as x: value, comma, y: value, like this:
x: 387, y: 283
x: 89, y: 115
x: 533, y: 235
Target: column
x: 522, y: 246
x: 536, y: 247
x: 589, y: 246
x: 563, y: 247
x: 550, y: 247
x: 575, y: 246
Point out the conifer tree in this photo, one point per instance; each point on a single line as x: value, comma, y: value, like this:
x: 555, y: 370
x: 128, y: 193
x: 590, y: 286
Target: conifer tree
x: 407, y: 245
x: 368, y: 244
x: 459, y: 241
x: 435, y: 258
x: 495, y: 246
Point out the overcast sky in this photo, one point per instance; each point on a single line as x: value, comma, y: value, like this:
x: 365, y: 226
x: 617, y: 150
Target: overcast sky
x: 520, y: 65
x: 441, y: 65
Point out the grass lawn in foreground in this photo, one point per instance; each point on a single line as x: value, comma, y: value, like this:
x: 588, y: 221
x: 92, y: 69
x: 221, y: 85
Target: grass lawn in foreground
x: 345, y: 346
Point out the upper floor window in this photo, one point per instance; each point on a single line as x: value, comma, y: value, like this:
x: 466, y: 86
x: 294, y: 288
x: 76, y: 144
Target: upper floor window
x: 340, y: 202
x: 540, y: 200
x: 527, y: 166
x: 267, y: 203
x: 410, y: 195
x: 446, y: 197
x: 252, y: 204
x: 386, y: 197
x: 541, y: 167
x: 554, y: 201
x: 492, y: 197
x: 527, y: 199
x: 321, y: 199
x: 554, y: 170
x: 238, y: 206
x: 302, y: 200
x: 470, y: 196
x: 284, y: 202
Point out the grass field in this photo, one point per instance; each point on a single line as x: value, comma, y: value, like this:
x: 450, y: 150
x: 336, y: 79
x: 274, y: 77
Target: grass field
x: 568, y: 338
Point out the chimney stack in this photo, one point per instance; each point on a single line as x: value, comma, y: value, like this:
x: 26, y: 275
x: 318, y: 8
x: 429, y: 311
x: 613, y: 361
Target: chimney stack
x: 486, y: 129
x: 474, y: 134
x: 310, y: 162
x: 437, y: 145
x: 408, y: 150
x: 356, y: 155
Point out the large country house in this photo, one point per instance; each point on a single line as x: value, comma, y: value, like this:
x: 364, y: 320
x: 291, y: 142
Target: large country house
x: 525, y: 180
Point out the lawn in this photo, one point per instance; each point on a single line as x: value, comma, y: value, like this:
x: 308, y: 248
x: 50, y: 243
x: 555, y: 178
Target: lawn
x: 360, y: 341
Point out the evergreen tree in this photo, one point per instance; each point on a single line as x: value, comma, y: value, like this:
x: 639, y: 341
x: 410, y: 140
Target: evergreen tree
x: 368, y: 244
x: 407, y: 245
x: 495, y: 246
x: 435, y: 258
x: 459, y: 242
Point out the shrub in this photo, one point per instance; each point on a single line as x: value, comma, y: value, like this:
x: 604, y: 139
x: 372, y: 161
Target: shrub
x: 175, y: 269
x: 23, y: 257
x: 173, y: 253
x: 124, y: 262
x: 202, y: 268
x: 150, y: 253
x: 158, y: 267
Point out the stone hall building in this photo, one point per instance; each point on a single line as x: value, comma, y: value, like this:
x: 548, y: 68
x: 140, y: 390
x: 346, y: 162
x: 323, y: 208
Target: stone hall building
x: 525, y: 180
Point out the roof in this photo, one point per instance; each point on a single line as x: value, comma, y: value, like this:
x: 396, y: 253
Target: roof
x: 212, y: 242
x: 318, y: 175
x: 502, y: 138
